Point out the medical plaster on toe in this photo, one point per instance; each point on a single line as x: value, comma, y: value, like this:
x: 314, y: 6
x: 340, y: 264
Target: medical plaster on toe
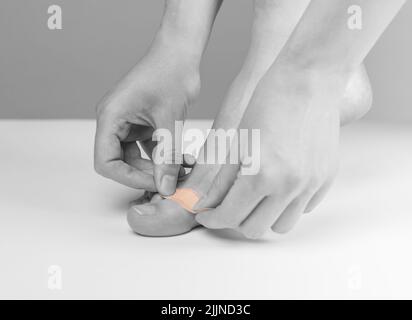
x: 187, y: 198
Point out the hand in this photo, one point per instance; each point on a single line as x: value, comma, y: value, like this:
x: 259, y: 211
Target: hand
x: 297, y: 112
x: 153, y: 95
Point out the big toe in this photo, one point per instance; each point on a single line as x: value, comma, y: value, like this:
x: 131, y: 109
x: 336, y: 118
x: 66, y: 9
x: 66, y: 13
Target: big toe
x: 162, y: 218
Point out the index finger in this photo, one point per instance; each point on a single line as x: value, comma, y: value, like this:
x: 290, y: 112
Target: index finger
x: 108, y: 160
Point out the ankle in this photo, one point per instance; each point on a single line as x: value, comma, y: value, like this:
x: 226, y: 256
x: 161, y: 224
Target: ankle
x: 358, y: 97
x: 308, y: 79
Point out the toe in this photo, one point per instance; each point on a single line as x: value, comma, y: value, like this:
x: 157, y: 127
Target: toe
x: 160, y: 219
x: 145, y: 198
x: 156, y: 198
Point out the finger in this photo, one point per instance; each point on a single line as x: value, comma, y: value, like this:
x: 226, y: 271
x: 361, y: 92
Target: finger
x: 109, y: 159
x: 167, y: 158
x: 189, y: 161
x: 165, y: 176
x: 263, y: 217
x: 291, y: 215
x: 215, y: 186
x: 131, y: 151
x: 239, y: 202
x: 132, y: 156
x: 139, y: 132
x: 318, y: 197
x: 148, y: 147
x: 212, y: 181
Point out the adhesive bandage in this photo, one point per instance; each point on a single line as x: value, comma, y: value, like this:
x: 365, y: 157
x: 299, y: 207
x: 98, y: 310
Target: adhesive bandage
x: 186, y: 198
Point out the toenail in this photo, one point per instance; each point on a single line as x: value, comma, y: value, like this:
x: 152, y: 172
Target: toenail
x: 141, y: 211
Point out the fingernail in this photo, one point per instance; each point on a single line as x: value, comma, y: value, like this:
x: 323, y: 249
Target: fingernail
x: 189, y: 160
x: 144, y: 210
x: 168, y: 185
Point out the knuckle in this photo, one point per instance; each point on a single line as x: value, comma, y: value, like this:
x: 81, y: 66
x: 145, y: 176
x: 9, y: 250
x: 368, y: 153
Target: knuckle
x: 102, y: 168
x: 103, y: 104
x: 257, y: 185
x: 119, y: 170
x: 294, y: 177
x: 99, y: 168
x: 282, y: 179
x: 319, y: 177
x: 265, y: 178
x: 192, y: 85
x: 286, y: 173
x: 100, y: 108
x: 295, y: 174
x: 314, y: 184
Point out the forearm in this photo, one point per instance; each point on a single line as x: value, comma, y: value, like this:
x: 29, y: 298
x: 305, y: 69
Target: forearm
x: 188, y: 24
x: 273, y: 23
x: 323, y: 39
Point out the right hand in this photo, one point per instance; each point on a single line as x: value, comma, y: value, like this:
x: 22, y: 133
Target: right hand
x: 153, y: 95
x: 295, y: 158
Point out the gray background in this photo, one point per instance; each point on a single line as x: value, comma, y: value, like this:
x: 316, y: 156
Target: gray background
x: 63, y: 73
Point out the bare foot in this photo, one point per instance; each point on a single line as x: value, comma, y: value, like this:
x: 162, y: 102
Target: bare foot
x: 162, y: 217
x: 271, y: 29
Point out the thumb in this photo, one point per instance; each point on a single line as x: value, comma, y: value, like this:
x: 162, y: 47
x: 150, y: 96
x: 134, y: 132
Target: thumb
x: 167, y: 157
x: 218, y: 189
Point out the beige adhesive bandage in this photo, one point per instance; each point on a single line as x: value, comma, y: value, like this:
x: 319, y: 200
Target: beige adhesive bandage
x: 186, y: 198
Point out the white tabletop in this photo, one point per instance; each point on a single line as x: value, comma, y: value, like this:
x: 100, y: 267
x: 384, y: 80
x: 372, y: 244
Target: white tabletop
x: 54, y: 210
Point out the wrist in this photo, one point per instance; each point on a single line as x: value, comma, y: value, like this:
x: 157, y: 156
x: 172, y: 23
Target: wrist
x: 180, y: 44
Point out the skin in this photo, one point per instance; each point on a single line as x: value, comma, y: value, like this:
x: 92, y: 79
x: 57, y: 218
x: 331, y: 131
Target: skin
x: 274, y: 21
x: 155, y: 93
x: 300, y: 97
